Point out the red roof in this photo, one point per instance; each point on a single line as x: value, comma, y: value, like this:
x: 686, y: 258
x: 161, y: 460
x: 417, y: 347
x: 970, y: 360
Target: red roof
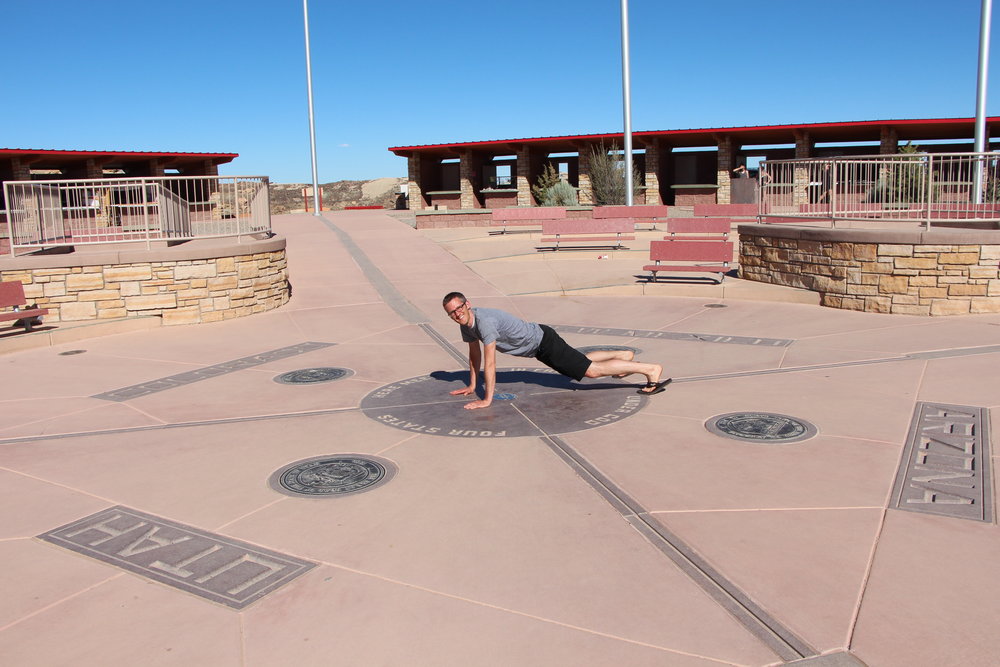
x: 45, y: 158
x: 865, y: 130
x: 139, y: 154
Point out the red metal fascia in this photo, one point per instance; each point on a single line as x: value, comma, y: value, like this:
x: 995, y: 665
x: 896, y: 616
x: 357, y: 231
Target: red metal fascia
x: 909, y: 122
x: 137, y: 154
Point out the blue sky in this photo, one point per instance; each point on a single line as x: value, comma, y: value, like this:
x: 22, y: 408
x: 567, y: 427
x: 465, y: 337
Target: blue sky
x: 228, y: 76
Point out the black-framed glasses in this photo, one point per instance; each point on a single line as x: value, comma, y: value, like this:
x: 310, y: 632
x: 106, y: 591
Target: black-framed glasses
x: 451, y: 313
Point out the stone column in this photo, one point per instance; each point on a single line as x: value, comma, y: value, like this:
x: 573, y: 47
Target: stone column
x: 20, y: 169
x: 724, y: 170
x: 93, y: 169
x: 585, y: 192
x: 524, y: 183
x: 414, y: 183
x: 469, y: 177
x: 653, y: 197
x: 800, y: 178
x: 207, y: 168
x: 888, y: 141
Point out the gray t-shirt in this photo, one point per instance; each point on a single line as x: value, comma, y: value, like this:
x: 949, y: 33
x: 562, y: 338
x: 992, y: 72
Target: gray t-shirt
x: 511, y: 334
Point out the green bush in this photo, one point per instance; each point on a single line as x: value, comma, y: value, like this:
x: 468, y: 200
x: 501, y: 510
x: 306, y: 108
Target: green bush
x: 560, y: 194
x: 546, y: 180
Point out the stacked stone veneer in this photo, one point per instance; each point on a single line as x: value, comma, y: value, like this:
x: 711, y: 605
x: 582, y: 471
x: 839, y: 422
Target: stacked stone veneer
x: 937, y: 272
x: 183, y: 285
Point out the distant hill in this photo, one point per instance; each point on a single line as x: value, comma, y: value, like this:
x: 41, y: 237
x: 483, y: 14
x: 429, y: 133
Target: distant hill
x: 287, y: 197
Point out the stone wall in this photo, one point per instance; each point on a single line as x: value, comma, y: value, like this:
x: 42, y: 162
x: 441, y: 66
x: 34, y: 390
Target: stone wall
x: 184, y: 284
x: 937, y: 272
x: 480, y: 218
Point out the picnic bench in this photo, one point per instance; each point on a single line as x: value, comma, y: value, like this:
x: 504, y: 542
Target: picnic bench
x: 586, y: 233
x: 524, y: 216
x: 698, y: 229
x: 697, y: 257
x: 644, y: 214
x: 12, y: 295
x: 731, y: 210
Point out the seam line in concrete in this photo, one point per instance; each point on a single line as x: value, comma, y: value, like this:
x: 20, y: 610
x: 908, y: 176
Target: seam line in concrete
x: 391, y: 296
x: 159, y: 427
x: 759, y: 623
x: 440, y: 340
x: 517, y: 612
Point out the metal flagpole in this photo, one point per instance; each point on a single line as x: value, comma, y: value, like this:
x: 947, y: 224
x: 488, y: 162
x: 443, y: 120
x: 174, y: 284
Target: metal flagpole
x: 312, y: 122
x: 627, y: 104
x: 984, y: 55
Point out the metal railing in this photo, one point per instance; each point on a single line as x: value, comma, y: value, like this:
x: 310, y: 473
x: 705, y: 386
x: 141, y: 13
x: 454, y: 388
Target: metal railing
x: 925, y: 188
x: 43, y: 214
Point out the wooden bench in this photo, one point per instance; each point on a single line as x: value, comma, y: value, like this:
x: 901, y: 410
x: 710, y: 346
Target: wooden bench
x: 698, y: 229
x: 571, y: 233
x: 524, y: 216
x: 12, y: 295
x: 645, y: 214
x: 699, y: 257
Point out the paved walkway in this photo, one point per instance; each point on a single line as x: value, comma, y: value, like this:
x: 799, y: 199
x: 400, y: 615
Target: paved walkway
x: 568, y: 524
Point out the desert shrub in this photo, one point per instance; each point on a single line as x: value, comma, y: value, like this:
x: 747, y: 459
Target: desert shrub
x: 607, y: 176
x: 548, y: 178
x: 560, y: 194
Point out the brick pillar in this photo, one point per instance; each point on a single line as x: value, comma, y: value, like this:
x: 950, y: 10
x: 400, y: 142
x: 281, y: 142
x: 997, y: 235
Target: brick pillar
x: 724, y: 170
x: 470, y: 169
x: 800, y: 178
x: 92, y: 169
x: 20, y: 170
x: 584, y: 193
x: 207, y: 168
x: 653, y: 197
x: 888, y: 141
x: 156, y: 168
x: 414, y: 183
x: 524, y: 177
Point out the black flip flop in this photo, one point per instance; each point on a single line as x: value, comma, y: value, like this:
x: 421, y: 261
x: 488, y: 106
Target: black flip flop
x: 655, y: 387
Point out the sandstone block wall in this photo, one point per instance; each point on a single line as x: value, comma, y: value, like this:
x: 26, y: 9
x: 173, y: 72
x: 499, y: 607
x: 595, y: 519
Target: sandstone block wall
x: 913, y: 273
x: 181, y: 291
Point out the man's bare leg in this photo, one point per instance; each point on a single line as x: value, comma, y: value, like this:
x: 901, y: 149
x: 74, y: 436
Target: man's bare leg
x: 621, y: 368
x: 609, y: 355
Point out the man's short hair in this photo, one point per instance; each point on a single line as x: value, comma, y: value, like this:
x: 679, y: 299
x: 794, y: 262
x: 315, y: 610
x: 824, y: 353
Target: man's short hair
x: 453, y: 295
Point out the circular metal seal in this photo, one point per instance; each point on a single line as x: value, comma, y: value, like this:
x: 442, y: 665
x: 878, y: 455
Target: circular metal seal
x: 526, y: 402
x: 71, y: 352
x: 596, y: 348
x: 762, y: 427
x: 716, y: 305
x: 313, y: 375
x: 334, y: 475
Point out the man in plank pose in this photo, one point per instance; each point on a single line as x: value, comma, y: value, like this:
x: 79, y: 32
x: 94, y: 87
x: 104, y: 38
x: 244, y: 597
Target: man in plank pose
x: 499, y: 330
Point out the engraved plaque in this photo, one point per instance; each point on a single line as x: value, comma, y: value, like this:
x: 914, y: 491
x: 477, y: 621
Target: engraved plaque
x: 762, y: 427
x: 210, y: 566
x: 335, y: 475
x: 946, y: 464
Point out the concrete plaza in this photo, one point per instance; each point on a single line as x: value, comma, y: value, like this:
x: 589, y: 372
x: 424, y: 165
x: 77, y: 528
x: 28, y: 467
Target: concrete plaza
x: 567, y: 524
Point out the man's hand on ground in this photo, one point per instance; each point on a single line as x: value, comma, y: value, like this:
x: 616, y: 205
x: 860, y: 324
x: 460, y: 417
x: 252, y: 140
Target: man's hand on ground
x: 472, y: 405
x: 465, y: 391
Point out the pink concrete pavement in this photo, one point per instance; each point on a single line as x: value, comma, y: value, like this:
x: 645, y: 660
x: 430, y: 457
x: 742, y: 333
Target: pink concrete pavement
x: 496, y: 551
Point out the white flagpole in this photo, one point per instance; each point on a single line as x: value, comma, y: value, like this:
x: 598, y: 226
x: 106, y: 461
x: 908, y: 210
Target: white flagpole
x: 627, y: 104
x: 984, y: 56
x: 312, y: 122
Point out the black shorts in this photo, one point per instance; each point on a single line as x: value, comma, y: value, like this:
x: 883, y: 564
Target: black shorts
x: 557, y: 354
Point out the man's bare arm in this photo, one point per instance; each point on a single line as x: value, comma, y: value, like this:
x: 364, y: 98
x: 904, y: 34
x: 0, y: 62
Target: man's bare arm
x: 475, y: 357
x: 489, y: 377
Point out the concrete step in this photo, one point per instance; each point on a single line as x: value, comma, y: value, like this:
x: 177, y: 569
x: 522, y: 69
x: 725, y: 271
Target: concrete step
x: 15, y: 339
